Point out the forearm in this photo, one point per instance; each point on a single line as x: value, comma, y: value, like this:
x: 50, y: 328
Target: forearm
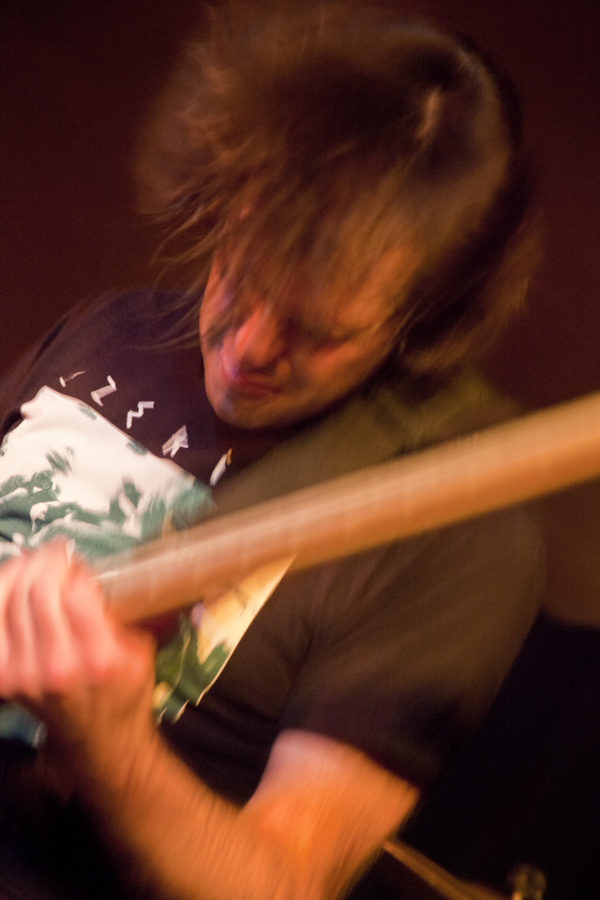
x: 320, y: 811
x: 177, y: 839
x: 92, y: 681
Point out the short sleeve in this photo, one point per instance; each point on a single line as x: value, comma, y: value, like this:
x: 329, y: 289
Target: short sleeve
x: 416, y: 638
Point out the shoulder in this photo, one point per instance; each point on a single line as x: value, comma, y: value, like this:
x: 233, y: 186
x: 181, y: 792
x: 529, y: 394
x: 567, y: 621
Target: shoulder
x: 96, y: 334
x: 411, y: 642
x: 498, y: 554
x: 144, y: 313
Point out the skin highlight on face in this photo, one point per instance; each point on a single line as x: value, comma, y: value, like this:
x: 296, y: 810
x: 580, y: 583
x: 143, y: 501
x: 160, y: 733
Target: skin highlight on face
x: 268, y: 365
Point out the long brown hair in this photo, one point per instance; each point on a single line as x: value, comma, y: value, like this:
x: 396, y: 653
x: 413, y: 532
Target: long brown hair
x: 320, y: 140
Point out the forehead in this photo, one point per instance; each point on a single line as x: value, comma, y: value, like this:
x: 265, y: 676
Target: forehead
x: 351, y: 256
x: 338, y: 300
x: 360, y: 305
x: 343, y: 312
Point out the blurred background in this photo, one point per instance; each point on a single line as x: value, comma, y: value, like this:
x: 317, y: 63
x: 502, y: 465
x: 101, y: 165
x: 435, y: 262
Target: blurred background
x: 76, y: 79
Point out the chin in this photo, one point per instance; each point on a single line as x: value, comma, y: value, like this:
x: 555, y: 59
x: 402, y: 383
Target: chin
x: 254, y: 414
x: 275, y: 411
x: 244, y: 413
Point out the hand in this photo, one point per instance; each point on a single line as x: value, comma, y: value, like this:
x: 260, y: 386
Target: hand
x: 65, y: 658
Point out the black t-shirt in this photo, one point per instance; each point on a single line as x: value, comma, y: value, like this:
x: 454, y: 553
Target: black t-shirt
x: 397, y: 651
x: 126, y: 340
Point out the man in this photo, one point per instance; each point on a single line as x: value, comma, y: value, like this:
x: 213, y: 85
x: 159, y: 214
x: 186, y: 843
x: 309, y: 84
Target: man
x: 352, y: 197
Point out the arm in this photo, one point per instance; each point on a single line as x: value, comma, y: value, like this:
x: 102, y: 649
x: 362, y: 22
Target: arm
x: 322, y: 809
x: 320, y: 814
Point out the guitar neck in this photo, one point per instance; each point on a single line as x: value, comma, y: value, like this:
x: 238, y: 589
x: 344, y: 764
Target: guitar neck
x: 497, y: 467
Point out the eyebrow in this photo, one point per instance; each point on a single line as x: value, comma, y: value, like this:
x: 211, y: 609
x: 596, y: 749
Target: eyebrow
x: 244, y: 277
x: 340, y: 335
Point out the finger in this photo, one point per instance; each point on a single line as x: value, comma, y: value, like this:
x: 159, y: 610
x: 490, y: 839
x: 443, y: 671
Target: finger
x: 112, y: 650
x: 119, y: 660
x: 89, y: 623
x: 10, y: 573
x: 57, y: 654
x: 22, y: 675
x: 35, y: 601
x: 31, y: 590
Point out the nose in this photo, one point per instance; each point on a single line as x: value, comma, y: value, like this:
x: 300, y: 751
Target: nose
x: 258, y: 343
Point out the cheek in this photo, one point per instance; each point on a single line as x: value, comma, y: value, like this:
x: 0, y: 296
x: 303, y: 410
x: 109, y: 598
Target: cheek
x: 204, y: 317
x: 209, y: 310
x: 344, y: 369
x: 215, y: 303
x: 213, y: 320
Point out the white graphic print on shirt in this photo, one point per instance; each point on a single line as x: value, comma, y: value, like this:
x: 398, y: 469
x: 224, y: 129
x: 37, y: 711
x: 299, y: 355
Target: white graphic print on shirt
x: 67, y: 472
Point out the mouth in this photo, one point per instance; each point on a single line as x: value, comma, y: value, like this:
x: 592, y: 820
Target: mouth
x: 243, y: 384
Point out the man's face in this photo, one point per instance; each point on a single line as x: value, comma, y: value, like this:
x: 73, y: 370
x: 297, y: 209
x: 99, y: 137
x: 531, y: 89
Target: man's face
x: 267, y: 367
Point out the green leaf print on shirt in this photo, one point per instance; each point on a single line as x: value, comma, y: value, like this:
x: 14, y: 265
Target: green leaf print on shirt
x: 180, y: 675
x: 69, y: 473
x: 65, y: 471
x: 19, y: 495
